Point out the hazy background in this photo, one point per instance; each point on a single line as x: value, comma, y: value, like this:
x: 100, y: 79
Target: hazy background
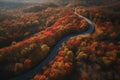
x: 12, y: 4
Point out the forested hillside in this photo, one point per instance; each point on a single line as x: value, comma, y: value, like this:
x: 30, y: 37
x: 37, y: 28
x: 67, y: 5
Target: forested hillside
x: 60, y: 39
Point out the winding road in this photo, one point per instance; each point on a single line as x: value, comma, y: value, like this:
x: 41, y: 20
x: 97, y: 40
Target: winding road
x: 53, y: 52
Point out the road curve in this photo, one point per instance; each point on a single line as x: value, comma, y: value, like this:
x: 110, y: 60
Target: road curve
x: 53, y: 52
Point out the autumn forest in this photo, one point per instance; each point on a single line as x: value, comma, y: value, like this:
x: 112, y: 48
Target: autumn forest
x: 59, y: 40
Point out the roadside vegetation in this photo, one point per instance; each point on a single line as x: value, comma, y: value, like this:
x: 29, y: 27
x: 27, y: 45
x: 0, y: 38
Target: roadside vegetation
x: 28, y: 34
